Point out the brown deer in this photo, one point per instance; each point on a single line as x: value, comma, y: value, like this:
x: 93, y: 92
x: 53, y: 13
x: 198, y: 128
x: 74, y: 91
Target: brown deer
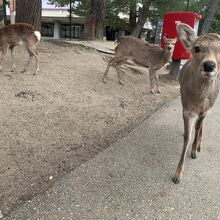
x: 199, y: 86
x: 143, y: 54
x: 17, y: 34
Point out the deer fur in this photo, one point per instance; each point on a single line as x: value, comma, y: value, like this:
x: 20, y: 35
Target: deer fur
x: 143, y: 54
x: 199, y: 86
x: 17, y: 34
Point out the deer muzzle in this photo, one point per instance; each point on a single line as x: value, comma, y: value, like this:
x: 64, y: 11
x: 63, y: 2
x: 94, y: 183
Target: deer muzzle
x: 209, y: 66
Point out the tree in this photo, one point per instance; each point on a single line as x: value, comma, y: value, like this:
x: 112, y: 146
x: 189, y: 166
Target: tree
x: 94, y: 26
x: 29, y: 12
x: 143, y: 14
x: 213, y: 6
x: 132, y: 13
x: 95, y: 13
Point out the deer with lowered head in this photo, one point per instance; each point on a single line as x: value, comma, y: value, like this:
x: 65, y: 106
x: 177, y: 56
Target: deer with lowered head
x: 199, y: 87
x: 18, y: 34
x: 143, y: 54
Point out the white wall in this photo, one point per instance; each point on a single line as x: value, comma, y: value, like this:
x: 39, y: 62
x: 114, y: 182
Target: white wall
x: 55, y: 13
x: 56, y: 32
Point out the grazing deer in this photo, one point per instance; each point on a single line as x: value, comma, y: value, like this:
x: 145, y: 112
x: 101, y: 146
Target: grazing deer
x: 199, y: 86
x: 17, y: 34
x: 143, y: 54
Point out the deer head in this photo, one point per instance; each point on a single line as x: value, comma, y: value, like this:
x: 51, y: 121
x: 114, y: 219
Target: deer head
x: 169, y: 44
x: 205, y: 50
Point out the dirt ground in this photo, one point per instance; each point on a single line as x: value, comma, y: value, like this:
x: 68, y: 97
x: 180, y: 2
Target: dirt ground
x: 53, y: 122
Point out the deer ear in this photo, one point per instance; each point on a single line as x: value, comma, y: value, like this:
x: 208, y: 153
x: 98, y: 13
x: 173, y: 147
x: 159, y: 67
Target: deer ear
x: 186, y: 35
x: 164, y: 38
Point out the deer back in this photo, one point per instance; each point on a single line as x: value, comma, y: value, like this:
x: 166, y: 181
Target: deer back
x: 16, y: 34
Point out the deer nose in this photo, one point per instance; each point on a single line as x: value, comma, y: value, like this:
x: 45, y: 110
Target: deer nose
x: 169, y: 48
x: 209, y: 66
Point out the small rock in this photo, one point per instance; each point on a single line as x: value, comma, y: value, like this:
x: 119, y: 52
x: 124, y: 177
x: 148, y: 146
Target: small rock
x: 51, y: 177
x: 1, y: 215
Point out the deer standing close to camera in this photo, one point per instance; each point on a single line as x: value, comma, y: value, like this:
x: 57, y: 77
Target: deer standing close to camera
x: 18, y: 34
x: 199, y: 86
x: 143, y: 54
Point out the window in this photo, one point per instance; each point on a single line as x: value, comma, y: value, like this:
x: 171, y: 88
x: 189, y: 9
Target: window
x: 47, y: 29
x: 76, y: 30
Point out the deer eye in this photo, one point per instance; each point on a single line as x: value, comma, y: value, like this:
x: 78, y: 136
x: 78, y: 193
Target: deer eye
x: 197, y: 49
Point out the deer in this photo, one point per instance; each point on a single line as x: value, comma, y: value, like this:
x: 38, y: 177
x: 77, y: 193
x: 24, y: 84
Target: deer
x: 17, y: 34
x: 141, y: 53
x: 199, y: 82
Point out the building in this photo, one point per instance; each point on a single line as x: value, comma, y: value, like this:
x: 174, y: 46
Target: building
x: 55, y: 22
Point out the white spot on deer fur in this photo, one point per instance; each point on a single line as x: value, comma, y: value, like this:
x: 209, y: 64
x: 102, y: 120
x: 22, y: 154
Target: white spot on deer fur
x: 20, y: 42
x: 38, y: 35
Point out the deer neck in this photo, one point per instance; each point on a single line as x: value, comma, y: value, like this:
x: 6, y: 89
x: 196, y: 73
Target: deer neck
x: 201, y: 87
x: 167, y: 55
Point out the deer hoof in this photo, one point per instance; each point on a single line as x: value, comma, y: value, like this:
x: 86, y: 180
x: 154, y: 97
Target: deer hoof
x: 176, y: 179
x: 104, y: 80
x: 193, y: 155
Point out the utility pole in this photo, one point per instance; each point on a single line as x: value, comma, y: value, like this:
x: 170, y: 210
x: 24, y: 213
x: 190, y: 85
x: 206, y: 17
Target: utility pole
x: 70, y: 28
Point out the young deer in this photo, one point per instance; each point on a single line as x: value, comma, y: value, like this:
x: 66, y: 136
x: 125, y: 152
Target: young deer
x: 199, y: 86
x: 143, y: 54
x: 17, y: 34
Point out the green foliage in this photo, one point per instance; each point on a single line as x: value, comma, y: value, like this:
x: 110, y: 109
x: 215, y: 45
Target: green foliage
x: 59, y: 2
x: 215, y: 27
x: 113, y: 10
x: 160, y: 7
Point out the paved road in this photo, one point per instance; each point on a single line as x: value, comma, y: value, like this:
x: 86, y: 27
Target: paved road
x: 132, y: 179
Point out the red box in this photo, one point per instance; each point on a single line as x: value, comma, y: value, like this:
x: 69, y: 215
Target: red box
x: 170, y: 20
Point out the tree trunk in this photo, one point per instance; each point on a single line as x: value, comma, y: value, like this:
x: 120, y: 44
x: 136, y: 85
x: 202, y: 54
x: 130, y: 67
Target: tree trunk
x: 144, y: 12
x: 213, y: 7
x: 94, y: 27
x: 29, y: 12
x: 133, y: 14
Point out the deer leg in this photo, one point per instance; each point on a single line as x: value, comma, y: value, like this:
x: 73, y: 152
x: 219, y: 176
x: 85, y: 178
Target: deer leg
x: 198, y: 137
x: 4, y: 51
x: 32, y: 53
x: 157, y: 83
x: 110, y: 63
x: 37, y: 62
x: 188, y: 119
x: 117, y: 62
x: 28, y: 63
x: 36, y: 52
x: 118, y: 69
x: 13, y: 59
x: 151, y: 73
